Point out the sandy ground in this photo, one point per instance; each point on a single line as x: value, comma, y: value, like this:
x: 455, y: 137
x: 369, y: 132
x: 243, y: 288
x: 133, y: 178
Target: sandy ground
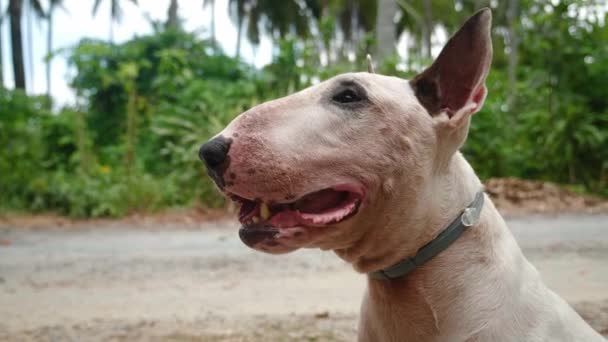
x: 117, y: 282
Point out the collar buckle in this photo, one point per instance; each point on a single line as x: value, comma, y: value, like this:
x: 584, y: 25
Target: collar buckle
x: 470, y: 216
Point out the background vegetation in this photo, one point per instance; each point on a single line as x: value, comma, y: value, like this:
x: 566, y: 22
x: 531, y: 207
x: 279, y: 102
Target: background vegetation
x: 145, y: 106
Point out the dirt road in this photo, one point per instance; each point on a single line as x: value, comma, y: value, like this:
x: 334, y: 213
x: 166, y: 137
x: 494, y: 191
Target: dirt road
x: 200, y: 283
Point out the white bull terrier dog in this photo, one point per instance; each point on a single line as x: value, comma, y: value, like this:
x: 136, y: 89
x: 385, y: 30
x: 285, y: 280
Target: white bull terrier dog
x: 368, y: 166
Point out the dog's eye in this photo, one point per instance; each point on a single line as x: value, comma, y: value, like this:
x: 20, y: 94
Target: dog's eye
x: 347, y: 96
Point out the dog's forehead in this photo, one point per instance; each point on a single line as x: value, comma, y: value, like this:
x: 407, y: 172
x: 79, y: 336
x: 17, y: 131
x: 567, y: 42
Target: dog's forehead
x: 381, y: 89
x: 376, y: 86
x: 367, y: 80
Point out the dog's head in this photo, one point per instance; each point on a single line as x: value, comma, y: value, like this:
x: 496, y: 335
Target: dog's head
x: 319, y: 168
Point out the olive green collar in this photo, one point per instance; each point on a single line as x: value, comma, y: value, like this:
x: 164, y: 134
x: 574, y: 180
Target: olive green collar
x: 467, y: 218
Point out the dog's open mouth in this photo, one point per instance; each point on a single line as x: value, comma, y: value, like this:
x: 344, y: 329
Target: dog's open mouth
x: 272, y: 223
x: 263, y: 220
x: 327, y: 206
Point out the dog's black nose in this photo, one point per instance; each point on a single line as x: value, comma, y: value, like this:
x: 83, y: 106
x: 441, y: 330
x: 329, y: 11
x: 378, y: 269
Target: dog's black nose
x: 214, y: 153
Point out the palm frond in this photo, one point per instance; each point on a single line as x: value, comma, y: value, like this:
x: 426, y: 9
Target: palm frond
x: 96, y: 6
x: 38, y: 10
x: 116, y: 10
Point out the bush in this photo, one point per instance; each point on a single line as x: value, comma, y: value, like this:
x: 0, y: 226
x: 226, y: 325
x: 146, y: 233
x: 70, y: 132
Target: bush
x: 24, y: 152
x: 104, y: 192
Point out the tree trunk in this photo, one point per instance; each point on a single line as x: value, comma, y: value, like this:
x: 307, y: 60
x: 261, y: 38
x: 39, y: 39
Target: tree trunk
x: 111, y: 28
x: 172, y: 19
x: 240, y: 13
x: 512, y: 15
x: 29, y: 11
x: 213, y: 21
x: 385, y: 28
x: 357, y: 34
x: 239, y: 36
x: 81, y: 136
x: 15, y: 8
x: 1, y: 50
x: 49, y: 50
x: 427, y: 29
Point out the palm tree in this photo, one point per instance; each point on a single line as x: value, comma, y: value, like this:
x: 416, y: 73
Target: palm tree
x: 15, y: 9
x: 1, y: 52
x: 242, y: 12
x: 115, y: 13
x: 33, y: 7
x: 385, y: 28
x: 512, y: 17
x: 211, y: 3
x: 237, y: 9
x: 355, y: 18
x: 420, y: 18
x: 427, y: 28
x: 53, y: 4
x: 172, y: 18
x: 295, y: 17
x: 277, y: 21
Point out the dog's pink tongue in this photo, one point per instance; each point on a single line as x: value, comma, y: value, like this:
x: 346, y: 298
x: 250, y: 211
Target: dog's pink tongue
x: 316, y: 209
x: 286, y: 219
x: 294, y: 218
x: 320, y: 201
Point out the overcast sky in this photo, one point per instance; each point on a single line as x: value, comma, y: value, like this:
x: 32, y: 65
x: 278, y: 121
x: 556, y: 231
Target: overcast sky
x: 77, y: 22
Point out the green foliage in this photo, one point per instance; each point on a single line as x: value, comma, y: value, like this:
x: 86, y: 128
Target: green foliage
x: 557, y: 128
x: 151, y: 102
x: 146, y: 105
x: 104, y: 192
x: 24, y: 151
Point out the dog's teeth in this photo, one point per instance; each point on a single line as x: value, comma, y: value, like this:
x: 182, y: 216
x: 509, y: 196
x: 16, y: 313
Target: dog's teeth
x: 264, y: 211
x: 256, y: 219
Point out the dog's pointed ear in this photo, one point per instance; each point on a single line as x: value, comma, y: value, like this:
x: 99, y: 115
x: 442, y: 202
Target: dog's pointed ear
x: 455, y: 82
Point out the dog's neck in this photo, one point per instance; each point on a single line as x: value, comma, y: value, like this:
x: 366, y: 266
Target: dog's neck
x: 408, y: 227
x: 428, y: 299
